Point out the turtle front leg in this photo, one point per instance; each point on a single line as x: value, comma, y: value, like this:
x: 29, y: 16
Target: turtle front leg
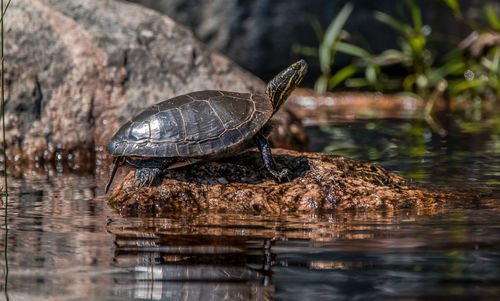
x: 268, y: 159
x: 148, y: 170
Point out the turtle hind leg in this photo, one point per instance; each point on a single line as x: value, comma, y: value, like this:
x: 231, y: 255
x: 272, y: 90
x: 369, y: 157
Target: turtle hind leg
x: 268, y: 159
x: 148, y: 170
x: 146, y: 175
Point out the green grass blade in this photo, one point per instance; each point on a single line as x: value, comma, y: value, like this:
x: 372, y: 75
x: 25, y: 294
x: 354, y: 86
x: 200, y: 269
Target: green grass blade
x: 452, y: 67
x: 321, y: 83
x: 416, y: 15
x: 455, y: 7
x: 403, y: 28
x: 334, y: 28
x: 371, y: 75
x: 390, y: 57
x: 331, y: 35
x: 325, y: 58
x: 492, y: 18
x: 465, y: 85
x: 318, y: 31
x: 341, y: 75
x: 352, y: 50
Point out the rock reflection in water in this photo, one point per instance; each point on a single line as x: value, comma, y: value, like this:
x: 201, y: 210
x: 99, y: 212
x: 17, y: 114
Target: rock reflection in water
x: 234, y: 257
x: 64, y: 243
x: 185, y: 260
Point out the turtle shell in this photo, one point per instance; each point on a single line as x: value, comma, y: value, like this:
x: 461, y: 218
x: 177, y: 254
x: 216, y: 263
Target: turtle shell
x: 197, y: 124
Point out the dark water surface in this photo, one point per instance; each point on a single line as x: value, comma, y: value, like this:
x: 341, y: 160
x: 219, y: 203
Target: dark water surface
x: 64, y: 243
x: 469, y: 154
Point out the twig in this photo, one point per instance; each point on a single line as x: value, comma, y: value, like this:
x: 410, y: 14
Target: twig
x: 4, y: 11
x: 6, y: 272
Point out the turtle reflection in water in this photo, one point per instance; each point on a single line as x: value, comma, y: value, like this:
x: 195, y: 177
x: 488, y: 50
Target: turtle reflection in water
x: 202, y: 125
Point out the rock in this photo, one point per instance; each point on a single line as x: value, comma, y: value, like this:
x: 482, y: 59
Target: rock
x: 76, y: 70
x: 241, y: 184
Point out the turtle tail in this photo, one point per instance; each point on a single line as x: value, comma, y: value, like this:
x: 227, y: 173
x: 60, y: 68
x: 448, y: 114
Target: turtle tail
x: 117, y: 162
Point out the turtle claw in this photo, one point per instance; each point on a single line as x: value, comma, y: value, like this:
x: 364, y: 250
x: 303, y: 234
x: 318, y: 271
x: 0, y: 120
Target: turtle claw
x: 146, y: 175
x: 284, y: 175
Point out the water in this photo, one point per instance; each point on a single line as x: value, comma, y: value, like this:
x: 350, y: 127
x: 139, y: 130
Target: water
x: 64, y: 243
x: 410, y: 148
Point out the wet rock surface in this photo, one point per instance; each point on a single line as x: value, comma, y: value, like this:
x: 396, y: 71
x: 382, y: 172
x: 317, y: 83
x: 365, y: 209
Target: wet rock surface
x: 241, y: 184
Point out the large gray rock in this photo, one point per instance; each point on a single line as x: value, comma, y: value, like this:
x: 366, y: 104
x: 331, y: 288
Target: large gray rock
x: 76, y: 70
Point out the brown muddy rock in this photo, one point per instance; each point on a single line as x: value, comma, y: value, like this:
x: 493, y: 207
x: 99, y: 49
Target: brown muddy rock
x: 241, y: 184
x: 77, y: 70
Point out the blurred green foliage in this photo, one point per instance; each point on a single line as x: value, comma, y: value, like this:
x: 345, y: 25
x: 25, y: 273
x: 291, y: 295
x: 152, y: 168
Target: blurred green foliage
x: 469, y: 73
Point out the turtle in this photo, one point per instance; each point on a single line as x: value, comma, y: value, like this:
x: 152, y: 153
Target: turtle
x: 200, y: 126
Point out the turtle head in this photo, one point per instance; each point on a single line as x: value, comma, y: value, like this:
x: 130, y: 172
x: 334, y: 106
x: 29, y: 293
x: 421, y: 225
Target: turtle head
x: 280, y: 87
